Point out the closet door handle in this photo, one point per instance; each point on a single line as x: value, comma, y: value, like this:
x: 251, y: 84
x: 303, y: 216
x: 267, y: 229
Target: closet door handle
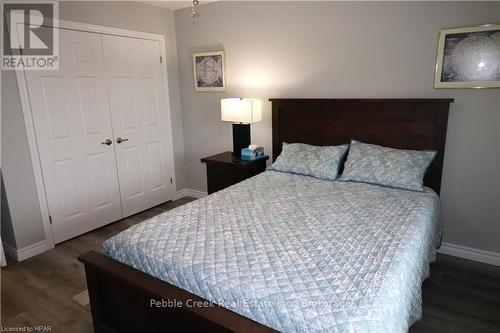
x: 107, y: 142
x: 120, y: 140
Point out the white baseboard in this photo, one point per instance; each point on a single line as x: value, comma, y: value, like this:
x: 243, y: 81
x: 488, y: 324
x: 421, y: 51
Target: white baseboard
x: 186, y: 192
x: 487, y: 257
x: 26, y: 252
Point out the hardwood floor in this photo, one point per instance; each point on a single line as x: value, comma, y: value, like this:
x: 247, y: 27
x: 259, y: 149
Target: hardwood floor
x: 460, y: 295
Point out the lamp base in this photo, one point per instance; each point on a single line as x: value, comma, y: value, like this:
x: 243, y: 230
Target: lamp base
x: 241, y: 138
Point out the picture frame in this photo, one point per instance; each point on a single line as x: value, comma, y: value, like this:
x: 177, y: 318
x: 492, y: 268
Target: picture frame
x: 209, y: 71
x: 468, y: 57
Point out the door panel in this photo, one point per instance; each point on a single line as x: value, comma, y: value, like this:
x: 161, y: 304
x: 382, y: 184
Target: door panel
x: 149, y: 91
x: 56, y: 106
x: 71, y: 116
x: 125, y: 100
x: 156, y: 165
x: 88, y: 97
x: 66, y: 175
x: 133, y: 169
x: 139, y: 114
x: 98, y: 171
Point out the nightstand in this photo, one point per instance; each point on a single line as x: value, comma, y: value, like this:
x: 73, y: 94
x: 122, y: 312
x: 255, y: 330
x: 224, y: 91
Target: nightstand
x: 224, y: 170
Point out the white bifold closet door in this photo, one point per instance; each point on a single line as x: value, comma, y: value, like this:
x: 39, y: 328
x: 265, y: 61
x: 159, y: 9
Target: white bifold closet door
x: 106, y: 87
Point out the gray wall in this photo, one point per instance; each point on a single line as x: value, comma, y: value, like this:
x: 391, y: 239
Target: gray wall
x: 19, y: 182
x: 26, y: 221
x: 333, y: 49
x: 7, y: 231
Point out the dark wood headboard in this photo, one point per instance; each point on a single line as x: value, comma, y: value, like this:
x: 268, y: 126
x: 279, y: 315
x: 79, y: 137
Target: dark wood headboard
x: 418, y: 124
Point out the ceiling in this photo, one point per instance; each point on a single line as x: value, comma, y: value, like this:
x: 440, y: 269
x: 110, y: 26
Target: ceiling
x: 175, y: 4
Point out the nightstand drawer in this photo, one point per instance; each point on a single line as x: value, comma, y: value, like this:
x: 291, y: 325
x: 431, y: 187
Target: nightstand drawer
x: 224, y: 170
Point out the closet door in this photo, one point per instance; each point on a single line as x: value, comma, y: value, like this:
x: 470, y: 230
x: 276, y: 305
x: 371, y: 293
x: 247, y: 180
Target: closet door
x: 70, y: 111
x: 140, y: 119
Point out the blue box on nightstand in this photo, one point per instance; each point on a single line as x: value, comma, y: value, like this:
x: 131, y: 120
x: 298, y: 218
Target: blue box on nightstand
x: 252, y: 153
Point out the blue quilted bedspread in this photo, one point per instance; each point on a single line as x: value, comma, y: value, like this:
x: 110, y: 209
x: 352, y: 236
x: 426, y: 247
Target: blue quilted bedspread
x: 296, y: 253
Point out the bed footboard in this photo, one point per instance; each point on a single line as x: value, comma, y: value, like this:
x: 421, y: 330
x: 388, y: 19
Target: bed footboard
x: 124, y: 299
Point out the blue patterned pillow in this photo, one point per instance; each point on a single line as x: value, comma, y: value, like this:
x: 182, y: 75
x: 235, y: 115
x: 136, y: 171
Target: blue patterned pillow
x: 315, y: 161
x: 379, y: 165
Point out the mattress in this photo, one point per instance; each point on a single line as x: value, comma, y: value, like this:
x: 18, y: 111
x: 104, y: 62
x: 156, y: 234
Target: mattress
x: 296, y: 253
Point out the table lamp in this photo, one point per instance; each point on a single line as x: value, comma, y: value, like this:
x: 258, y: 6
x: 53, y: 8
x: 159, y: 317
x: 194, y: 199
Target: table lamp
x: 241, y: 112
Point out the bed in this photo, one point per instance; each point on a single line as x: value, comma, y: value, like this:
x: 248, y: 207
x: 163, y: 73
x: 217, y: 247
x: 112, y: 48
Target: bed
x: 281, y: 251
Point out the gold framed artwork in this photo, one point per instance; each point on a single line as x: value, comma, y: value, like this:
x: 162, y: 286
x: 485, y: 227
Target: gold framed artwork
x: 209, y: 71
x: 469, y: 57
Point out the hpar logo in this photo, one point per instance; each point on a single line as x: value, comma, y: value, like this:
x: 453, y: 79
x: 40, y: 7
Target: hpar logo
x: 30, y: 35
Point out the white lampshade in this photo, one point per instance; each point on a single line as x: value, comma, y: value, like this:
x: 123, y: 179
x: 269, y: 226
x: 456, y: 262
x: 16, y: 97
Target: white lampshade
x: 241, y: 110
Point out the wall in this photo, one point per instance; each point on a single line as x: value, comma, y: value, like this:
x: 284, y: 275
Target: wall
x: 335, y: 49
x: 17, y: 172
x: 26, y: 221
x: 7, y: 231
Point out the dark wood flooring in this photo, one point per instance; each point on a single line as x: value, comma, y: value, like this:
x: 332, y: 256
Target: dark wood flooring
x: 460, y: 295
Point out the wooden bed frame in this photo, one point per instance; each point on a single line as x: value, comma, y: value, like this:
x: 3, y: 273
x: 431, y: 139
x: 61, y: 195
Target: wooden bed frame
x: 121, y: 296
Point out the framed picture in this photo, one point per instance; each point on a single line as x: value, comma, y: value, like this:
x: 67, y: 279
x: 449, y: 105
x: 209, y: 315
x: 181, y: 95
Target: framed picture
x: 209, y: 72
x: 469, y: 58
